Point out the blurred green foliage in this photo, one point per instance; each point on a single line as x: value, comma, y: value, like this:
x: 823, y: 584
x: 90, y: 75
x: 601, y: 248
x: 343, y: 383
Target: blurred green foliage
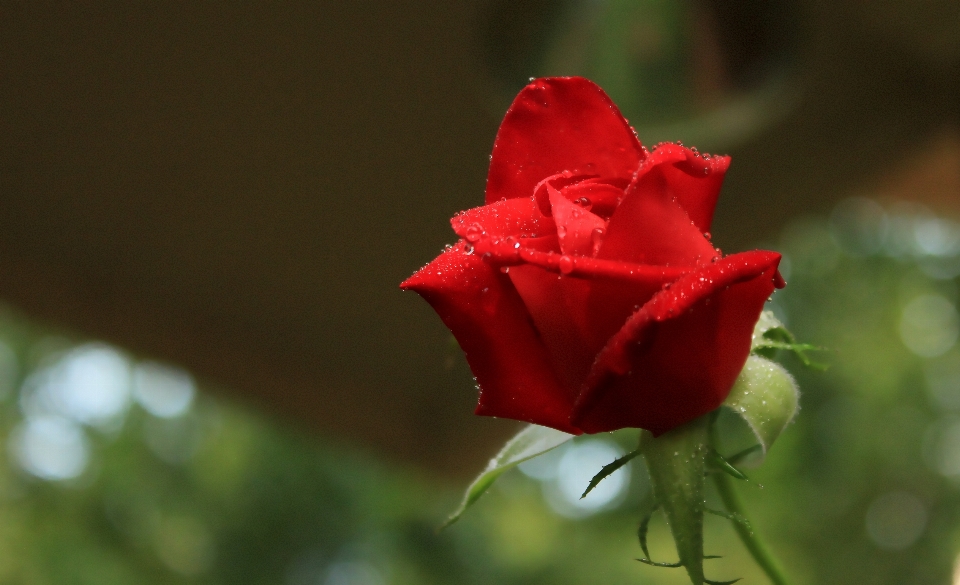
x: 863, y: 488
x: 706, y: 73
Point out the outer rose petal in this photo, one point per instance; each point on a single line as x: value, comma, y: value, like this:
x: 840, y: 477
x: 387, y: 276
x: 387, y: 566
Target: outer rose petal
x: 480, y: 306
x: 678, y: 356
x: 695, y: 182
x: 560, y: 124
x: 556, y: 307
x: 650, y: 226
x: 513, y: 217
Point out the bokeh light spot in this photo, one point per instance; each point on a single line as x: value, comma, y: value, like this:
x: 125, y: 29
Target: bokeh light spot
x: 929, y: 325
x: 163, y: 391
x: 895, y: 520
x: 50, y: 447
x: 89, y: 384
x: 576, y: 467
x: 943, y: 380
x: 859, y: 226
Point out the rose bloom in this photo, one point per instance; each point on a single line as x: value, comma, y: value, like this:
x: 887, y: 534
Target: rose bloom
x: 586, y: 293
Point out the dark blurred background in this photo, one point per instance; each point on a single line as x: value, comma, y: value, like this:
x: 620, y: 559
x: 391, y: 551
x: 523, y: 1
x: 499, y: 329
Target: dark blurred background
x: 238, y: 188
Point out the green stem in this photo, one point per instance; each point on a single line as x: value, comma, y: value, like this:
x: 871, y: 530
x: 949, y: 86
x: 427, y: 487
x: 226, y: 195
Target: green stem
x: 761, y: 554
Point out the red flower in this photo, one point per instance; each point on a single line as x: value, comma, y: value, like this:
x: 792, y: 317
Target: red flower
x: 586, y: 293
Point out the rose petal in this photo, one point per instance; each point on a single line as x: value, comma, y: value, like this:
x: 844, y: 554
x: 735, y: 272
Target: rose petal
x: 577, y: 313
x: 560, y: 124
x: 513, y: 217
x: 579, y: 230
x: 695, y: 182
x: 610, y: 304
x: 486, y: 315
x: 556, y: 305
x: 650, y: 226
x: 678, y: 356
x: 599, y: 197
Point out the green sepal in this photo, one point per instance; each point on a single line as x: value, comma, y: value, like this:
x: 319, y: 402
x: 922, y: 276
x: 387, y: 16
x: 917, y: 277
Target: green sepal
x: 648, y: 505
x: 607, y: 469
x: 733, y: 517
x: 675, y: 565
x: 533, y: 440
x: 677, y: 461
x: 766, y: 397
x: 718, y: 463
x: 736, y: 458
x: 770, y: 335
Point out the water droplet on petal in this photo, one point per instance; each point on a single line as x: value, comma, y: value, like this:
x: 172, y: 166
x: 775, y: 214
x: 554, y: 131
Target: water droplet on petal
x: 473, y: 233
x: 566, y: 264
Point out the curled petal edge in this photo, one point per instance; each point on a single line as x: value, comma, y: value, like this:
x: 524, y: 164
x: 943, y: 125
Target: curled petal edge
x: 643, y: 329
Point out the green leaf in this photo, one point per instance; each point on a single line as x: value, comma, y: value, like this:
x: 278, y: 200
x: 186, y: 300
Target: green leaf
x: 527, y: 444
x: 609, y: 468
x: 766, y: 397
x: 676, y: 460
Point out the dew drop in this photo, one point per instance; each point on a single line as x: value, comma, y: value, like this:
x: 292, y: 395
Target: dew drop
x: 596, y: 238
x: 566, y: 264
x: 584, y: 201
x: 473, y: 233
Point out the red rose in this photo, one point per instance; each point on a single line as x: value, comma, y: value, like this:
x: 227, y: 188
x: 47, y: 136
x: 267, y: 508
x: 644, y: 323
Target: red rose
x: 586, y: 293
